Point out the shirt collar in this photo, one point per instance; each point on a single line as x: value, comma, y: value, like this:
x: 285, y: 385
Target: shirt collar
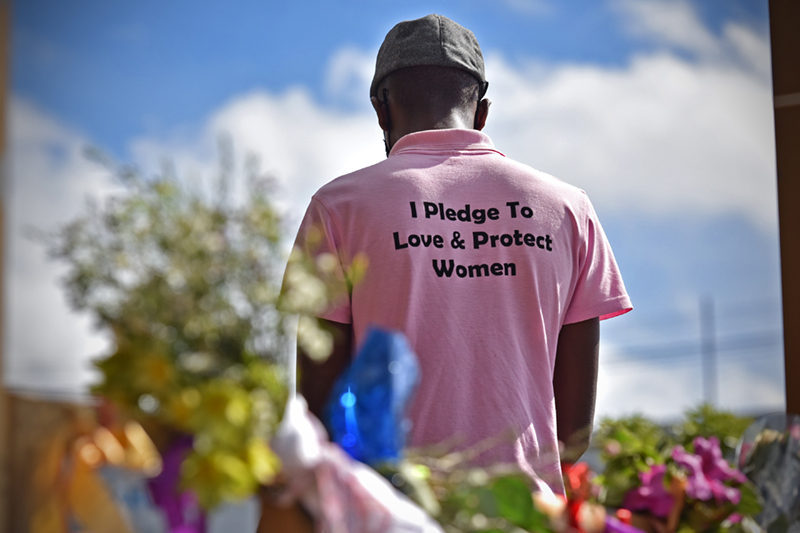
x: 449, y: 140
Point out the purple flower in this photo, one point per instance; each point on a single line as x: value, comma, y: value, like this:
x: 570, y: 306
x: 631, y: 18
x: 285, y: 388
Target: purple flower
x: 697, y: 485
x: 714, y: 465
x: 707, y: 472
x: 734, y: 518
x: 724, y: 493
x: 652, y: 495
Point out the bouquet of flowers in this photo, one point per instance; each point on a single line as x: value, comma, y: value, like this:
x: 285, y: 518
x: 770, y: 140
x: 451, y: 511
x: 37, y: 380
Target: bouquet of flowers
x: 693, y: 491
x: 664, y: 486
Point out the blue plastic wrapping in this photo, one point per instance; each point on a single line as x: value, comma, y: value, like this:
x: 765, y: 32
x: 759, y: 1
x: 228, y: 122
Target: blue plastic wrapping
x: 365, y: 413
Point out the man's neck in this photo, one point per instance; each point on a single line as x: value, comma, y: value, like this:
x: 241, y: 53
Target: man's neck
x: 423, y: 122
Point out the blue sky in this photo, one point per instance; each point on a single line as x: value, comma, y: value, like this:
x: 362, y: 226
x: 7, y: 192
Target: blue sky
x: 659, y: 109
x: 153, y: 65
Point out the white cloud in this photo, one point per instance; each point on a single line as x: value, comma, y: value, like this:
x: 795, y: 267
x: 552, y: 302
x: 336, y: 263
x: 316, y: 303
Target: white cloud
x: 349, y: 75
x: 670, y: 22
x: 662, y: 135
x: 46, y: 345
x: 663, y: 389
x: 662, y: 392
x: 676, y: 25
x: 752, y: 49
x: 299, y: 142
x: 751, y: 390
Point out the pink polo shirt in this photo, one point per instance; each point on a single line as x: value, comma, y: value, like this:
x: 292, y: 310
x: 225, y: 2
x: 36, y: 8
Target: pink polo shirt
x: 479, y: 261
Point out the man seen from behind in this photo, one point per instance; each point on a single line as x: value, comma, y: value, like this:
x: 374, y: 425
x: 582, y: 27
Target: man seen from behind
x: 498, y: 274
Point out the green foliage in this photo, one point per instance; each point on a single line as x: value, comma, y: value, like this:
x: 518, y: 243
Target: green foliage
x: 188, y: 288
x: 750, y: 503
x: 627, y: 446
x: 465, y: 498
x: 481, y: 501
x: 514, y: 502
x: 707, y: 421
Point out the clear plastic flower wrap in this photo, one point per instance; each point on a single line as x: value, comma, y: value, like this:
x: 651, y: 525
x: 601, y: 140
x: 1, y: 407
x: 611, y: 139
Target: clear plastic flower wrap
x: 769, y: 454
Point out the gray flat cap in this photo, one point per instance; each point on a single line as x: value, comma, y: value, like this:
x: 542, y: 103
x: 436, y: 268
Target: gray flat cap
x: 429, y: 41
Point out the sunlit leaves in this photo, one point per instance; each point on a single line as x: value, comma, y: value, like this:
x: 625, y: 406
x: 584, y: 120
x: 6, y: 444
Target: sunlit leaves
x: 628, y: 446
x: 465, y: 498
x: 706, y: 421
x: 514, y: 501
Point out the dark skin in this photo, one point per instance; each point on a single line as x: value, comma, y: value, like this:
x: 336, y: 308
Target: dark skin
x: 575, y: 385
x: 428, y: 118
x: 315, y: 380
x: 575, y: 373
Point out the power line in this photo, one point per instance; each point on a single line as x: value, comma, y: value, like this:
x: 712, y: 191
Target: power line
x: 674, y: 316
x: 682, y: 362
x: 692, y: 348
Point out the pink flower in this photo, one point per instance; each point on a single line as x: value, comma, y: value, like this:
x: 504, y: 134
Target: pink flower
x: 652, y: 495
x: 734, y: 518
x: 707, y: 472
x: 714, y: 466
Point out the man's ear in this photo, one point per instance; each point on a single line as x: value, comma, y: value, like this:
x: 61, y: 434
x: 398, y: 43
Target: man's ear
x: 381, y: 111
x: 482, y: 113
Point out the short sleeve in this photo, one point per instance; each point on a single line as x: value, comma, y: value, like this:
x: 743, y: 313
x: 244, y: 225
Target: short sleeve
x: 319, y: 243
x: 599, y: 290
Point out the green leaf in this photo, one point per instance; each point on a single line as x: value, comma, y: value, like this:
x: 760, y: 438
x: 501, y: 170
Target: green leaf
x: 514, y: 500
x: 750, y: 502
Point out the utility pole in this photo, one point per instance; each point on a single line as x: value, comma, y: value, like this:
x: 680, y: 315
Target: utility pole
x: 708, y: 349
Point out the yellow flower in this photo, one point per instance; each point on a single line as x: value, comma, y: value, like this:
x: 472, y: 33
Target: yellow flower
x: 263, y: 461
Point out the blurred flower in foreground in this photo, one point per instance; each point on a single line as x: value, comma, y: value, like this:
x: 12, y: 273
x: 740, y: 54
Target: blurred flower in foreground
x: 652, y: 495
x: 188, y: 283
x: 665, y: 484
x: 707, y: 472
